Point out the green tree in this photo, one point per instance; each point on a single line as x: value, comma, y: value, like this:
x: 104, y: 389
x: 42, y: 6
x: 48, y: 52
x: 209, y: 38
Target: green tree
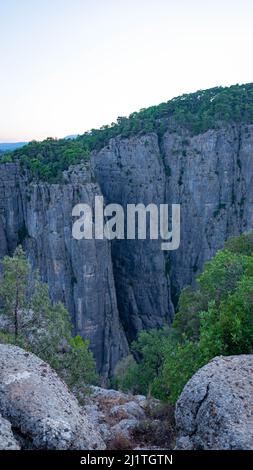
x: 145, y: 375
x: 78, y: 365
x: 40, y: 326
x: 243, y: 244
x: 187, y: 319
x: 182, y: 359
x: 228, y: 330
x: 13, y: 288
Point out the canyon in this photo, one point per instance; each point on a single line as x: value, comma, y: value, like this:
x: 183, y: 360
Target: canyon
x: 114, y: 289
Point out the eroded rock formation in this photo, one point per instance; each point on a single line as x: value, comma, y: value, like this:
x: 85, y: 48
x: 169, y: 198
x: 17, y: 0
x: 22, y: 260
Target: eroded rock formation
x: 215, y: 409
x: 38, y: 407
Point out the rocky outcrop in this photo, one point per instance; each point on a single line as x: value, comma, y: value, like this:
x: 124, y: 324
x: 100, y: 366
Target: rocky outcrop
x: 41, y: 410
x: 7, y: 439
x: 210, y: 175
x: 128, y: 421
x: 215, y: 409
x: 79, y: 273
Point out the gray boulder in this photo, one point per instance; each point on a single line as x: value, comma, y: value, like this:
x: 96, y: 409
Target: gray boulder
x: 215, y: 409
x: 39, y: 405
x: 124, y: 428
x: 130, y: 409
x: 7, y: 439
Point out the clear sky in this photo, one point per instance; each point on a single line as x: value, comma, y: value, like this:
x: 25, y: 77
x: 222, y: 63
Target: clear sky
x: 69, y: 65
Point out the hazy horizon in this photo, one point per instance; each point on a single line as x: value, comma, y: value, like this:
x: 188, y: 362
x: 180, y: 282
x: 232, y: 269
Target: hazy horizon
x: 69, y: 66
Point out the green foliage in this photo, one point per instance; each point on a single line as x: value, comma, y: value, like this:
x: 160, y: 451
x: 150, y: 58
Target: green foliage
x: 214, y: 319
x: 221, y: 275
x: 33, y: 322
x: 196, y: 112
x: 7, y: 338
x: 48, y: 159
x: 150, y: 350
x: 243, y: 244
x: 79, y: 365
x: 181, y: 360
x: 228, y: 330
x: 13, y: 287
x: 144, y: 376
x: 187, y: 321
x: 6, y: 157
x: 125, y: 374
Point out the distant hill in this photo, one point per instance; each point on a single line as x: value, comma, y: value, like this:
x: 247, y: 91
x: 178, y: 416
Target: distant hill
x: 195, y: 112
x: 9, y: 146
x: 71, y: 137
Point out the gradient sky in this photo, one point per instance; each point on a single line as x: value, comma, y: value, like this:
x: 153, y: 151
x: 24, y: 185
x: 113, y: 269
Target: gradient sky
x: 68, y: 66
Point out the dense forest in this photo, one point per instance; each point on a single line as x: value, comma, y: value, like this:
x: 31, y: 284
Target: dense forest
x: 197, y: 112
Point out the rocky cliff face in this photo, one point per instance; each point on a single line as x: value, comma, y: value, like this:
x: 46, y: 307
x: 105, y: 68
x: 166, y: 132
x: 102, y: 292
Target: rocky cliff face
x: 79, y: 273
x: 114, y: 290
x: 210, y: 175
x: 131, y: 171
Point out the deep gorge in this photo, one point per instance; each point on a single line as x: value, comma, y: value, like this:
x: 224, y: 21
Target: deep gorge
x: 115, y: 289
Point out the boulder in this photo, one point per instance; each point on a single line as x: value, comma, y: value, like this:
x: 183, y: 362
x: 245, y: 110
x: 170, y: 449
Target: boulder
x: 39, y: 405
x: 7, y: 439
x: 124, y: 428
x: 130, y: 421
x: 130, y: 410
x: 215, y: 409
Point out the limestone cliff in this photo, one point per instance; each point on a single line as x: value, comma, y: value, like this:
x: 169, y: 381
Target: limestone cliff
x: 79, y: 273
x: 210, y: 175
x: 114, y: 290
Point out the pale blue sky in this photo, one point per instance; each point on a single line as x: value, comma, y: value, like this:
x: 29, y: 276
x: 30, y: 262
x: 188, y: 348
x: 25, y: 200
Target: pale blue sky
x: 70, y: 65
